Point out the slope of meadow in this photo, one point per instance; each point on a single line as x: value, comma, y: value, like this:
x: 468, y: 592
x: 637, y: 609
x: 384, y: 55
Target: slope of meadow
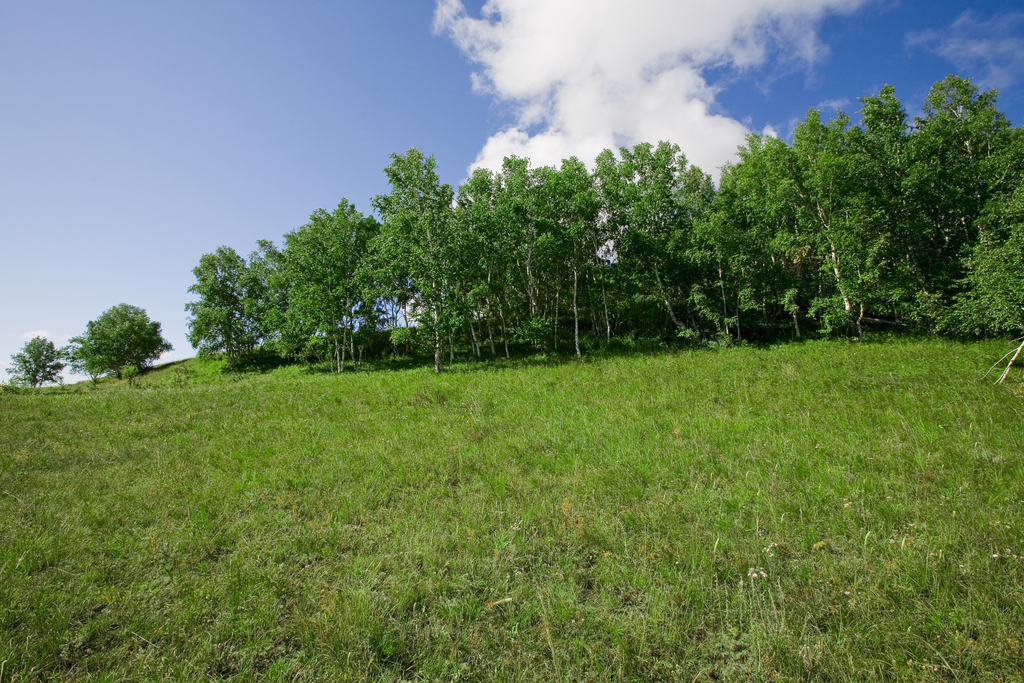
x: 827, y: 512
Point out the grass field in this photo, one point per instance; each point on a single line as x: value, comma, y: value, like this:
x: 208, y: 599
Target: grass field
x: 825, y: 511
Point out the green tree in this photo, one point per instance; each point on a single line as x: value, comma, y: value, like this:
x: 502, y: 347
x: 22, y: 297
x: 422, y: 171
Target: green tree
x: 962, y: 158
x: 753, y: 236
x: 887, y: 214
x: 120, y: 337
x: 993, y: 302
x: 328, y: 298
x: 518, y: 209
x: 575, y: 207
x: 653, y: 198
x: 267, y: 301
x: 229, y: 315
x: 38, y: 363
x: 486, y: 265
x: 826, y: 189
x: 418, y: 245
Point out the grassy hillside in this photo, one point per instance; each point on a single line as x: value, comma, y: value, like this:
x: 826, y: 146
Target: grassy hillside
x: 827, y: 512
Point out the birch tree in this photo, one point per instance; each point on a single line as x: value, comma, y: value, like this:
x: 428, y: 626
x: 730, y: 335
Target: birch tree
x: 418, y: 243
x: 327, y: 298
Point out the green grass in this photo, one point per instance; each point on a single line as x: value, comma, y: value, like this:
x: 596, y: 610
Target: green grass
x: 525, y: 522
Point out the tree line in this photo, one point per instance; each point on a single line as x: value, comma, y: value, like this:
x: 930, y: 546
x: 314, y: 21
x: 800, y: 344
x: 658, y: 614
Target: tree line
x: 890, y: 224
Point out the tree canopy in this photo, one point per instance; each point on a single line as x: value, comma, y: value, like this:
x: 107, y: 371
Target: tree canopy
x: 122, y: 336
x: 38, y: 363
x: 231, y: 314
x: 881, y: 225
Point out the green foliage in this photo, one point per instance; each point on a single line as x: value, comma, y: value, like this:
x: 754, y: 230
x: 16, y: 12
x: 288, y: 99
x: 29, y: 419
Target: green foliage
x: 329, y: 295
x: 418, y: 251
x: 852, y: 230
x: 574, y: 206
x: 121, y: 336
x: 827, y: 208
x: 994, y: 298
x: 524, y: 244
x: 38, y: 362
x: 961, y: 161
x: 869, y: 224
x: 654, y: 200
x: 232, y: 312
x: 754, y: 237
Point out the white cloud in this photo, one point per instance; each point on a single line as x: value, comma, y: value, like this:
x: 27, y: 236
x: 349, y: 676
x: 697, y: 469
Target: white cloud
x: 586, y: 75
x: 834, y: 104
x: 990, y: 52
x: 32, y: 335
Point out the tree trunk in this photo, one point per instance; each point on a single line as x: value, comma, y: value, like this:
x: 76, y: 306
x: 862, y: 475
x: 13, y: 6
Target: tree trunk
x: 556, y: 321
x: 472, y: 335
x: 351, y: 328
x: 607, y: 320
x: 490, y: 314
x: 490, y: 332
x: 405, y: 314
x: 504, y: 329
x: 839, y: 281
x: 739, y: 309
x: 229, y: 347
x: 575, y: 312
x: 725, y: 307
x: 437, y: 344
x: 530, y: 288
x: 665, y: 298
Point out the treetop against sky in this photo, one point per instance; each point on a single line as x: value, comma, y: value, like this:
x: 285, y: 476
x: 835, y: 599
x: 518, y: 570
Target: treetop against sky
x: 137, y: 138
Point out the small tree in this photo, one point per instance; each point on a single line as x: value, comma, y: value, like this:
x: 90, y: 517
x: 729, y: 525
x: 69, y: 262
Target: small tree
x: 122, y: 336
x: 38, y: 363
x: 233, y: 302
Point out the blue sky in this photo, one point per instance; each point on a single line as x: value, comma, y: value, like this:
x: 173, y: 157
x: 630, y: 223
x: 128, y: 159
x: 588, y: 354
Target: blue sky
x: 134, y: 137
